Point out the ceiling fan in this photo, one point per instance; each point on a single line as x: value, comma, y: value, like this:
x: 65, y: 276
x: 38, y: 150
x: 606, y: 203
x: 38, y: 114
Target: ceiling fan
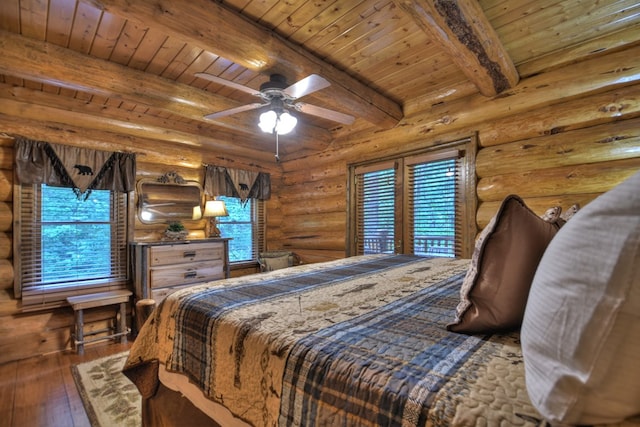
x: 280, y: 96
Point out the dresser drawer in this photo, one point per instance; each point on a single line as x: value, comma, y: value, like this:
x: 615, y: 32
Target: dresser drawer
x: 175, y: 254
x: 183, y: 274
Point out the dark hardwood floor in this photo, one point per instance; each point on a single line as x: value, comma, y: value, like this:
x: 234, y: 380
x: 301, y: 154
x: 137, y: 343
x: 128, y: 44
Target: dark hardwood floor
x: 40, y: 391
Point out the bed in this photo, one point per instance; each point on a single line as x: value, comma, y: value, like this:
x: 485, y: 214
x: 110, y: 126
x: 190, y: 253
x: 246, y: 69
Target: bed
x: 359, y: 341
x: 403, y: 340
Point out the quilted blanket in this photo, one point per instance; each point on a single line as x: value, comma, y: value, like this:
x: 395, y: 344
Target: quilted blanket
x: 355, y: 342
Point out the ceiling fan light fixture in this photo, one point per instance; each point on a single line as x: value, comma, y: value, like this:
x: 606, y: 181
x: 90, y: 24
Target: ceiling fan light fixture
x: 276, y: 94
x: 272, y: 122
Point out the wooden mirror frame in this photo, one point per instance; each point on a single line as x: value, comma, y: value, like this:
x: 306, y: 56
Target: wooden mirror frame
x: 169, y: 198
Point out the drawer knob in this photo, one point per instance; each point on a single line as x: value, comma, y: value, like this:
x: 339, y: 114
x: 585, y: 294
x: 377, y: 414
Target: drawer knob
x: 187, y: 254
x: 191, y: 274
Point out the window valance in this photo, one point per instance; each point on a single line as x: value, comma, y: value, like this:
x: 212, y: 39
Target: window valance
x: 221, y: 181
x: 83, y: 169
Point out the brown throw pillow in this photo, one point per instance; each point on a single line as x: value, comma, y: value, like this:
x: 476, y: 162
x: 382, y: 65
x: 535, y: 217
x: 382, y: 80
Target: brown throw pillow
x: 507, y: 252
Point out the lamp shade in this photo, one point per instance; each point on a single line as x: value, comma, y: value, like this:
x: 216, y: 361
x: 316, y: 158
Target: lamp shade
x: 215, y: 208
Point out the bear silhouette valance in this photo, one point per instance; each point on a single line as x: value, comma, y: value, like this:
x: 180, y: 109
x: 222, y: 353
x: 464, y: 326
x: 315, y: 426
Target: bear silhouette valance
x: 82, y: 169
x: 221, y: 181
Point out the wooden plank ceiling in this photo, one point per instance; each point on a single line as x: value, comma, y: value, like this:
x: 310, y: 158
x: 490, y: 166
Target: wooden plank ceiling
x: 130, y: 67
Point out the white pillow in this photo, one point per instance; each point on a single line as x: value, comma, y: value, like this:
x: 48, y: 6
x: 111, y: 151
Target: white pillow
x: 581, y: 328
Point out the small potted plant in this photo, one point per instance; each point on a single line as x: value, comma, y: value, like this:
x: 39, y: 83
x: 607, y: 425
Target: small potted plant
x: 176, y: 231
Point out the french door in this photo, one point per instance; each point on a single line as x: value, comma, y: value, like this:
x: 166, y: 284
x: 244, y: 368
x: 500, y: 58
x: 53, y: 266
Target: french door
x: 420, y: 203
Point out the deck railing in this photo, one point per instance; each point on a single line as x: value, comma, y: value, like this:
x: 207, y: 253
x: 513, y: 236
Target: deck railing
x: 422, y: 245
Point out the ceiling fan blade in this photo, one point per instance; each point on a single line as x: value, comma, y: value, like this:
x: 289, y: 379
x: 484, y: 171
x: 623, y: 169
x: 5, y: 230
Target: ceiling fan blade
x: 309, y: 84
x: 314, y: 110
x: 228, y: 83
x: 235, y: 110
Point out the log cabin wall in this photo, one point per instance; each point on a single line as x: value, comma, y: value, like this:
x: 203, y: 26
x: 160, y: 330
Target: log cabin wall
x: 557, y: 138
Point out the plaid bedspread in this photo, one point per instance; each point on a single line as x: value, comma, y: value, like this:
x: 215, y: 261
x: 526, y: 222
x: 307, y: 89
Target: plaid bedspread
x: 201, y: 314
x: 383, y: 368
x: 354, y: 342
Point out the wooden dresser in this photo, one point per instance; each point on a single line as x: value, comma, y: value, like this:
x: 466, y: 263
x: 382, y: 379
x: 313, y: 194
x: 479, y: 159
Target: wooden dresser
x: 160, y: 268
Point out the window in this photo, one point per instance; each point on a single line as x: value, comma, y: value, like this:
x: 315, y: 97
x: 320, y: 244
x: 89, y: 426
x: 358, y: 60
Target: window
x: 421, y: 203
x: 69, y: 246
x: 245, y: 226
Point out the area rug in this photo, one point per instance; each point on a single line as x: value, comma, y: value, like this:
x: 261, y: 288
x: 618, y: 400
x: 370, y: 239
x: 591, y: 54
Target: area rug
x: 109, y: 398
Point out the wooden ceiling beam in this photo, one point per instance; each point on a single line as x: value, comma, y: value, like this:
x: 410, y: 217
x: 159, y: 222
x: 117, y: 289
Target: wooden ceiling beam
x: 29, y: 111
x: 215, y: 28
x: 47, y: 63
x: 150, y: 151
x: 532, y: 95
x: 161, y: 128
x: 464, y: 32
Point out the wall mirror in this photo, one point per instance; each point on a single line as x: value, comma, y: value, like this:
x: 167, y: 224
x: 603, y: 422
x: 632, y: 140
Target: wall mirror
x: 169, y: 198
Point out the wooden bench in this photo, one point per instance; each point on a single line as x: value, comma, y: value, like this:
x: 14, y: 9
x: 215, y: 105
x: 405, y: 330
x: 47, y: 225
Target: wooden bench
x: 101, y: 299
